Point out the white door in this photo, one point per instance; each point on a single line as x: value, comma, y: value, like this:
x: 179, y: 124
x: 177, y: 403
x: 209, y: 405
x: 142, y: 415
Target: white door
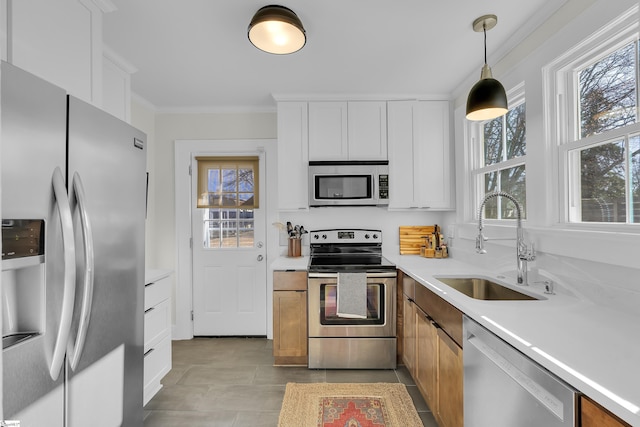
x: 228, y: 250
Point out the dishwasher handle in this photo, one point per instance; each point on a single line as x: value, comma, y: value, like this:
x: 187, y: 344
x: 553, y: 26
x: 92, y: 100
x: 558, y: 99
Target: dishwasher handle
x: 542, y: 395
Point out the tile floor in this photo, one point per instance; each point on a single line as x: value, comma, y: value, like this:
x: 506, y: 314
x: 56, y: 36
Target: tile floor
x: 231, y: 382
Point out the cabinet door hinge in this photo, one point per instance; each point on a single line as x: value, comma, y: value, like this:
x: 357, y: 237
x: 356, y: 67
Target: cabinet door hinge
x: 189, y: 170
x: 192, y: 315
x: 190, y: 242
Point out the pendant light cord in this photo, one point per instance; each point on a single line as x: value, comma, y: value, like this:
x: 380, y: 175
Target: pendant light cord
x: 484, y: 30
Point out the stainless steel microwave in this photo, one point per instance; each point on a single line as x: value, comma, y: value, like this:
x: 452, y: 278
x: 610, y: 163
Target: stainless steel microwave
x: 348, y: 183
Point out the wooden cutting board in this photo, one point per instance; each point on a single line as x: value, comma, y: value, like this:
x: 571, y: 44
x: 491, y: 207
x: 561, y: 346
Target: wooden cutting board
x: 411, y: 238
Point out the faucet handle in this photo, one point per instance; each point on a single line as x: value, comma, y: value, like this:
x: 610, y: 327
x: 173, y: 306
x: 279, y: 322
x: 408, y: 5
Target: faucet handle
x: 529, y: 253
x: 479, y: 243
x: 548, y: 286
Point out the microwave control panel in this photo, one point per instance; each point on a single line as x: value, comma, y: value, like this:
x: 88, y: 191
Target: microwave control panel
x: 383, y: 186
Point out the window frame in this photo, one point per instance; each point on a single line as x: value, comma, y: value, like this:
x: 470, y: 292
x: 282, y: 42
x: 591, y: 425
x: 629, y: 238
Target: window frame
x: 562, y: 112
x: 515, y: 96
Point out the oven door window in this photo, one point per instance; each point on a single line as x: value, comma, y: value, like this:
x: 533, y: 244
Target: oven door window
x: 328, y: 187
x: 329, y: 303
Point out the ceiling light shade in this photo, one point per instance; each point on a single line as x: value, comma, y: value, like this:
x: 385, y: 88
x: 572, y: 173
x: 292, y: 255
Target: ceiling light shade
x: 277, y: 29
x: 487, y: 98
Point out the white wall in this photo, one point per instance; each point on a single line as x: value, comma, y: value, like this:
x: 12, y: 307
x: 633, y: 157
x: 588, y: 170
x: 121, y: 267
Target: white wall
x: 587, y: 259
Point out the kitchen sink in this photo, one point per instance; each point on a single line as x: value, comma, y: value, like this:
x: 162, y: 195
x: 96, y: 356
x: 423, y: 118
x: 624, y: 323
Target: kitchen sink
x: 484, y: 289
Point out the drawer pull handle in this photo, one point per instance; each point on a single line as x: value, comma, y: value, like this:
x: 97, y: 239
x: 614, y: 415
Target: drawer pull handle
x: 148, y: 352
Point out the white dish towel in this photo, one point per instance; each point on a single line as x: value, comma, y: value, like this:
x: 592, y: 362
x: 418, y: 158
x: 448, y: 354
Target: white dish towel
x: 352, y: 295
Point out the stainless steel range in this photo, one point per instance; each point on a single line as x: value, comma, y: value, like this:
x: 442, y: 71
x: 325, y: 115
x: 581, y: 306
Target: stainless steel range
x: 352, y: 301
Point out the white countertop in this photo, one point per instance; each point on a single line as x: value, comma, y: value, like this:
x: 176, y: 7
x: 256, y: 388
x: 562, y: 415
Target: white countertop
x: 290, y: 263
x: 593, y: 348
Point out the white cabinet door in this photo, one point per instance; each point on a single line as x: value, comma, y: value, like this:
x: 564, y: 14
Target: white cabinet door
x: 402, y: 160
x: 60, y: 42
x: 355, y: 130
x: 328, y: 131
x: 433, y: 181
x: 367, y: 133
x: 419, y: 155
x: 293, y: 156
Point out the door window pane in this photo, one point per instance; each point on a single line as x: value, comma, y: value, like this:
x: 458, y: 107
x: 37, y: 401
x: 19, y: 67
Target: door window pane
x: 227, y: 196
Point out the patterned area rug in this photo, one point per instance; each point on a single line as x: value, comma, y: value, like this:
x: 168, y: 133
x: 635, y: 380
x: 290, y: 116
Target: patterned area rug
x: 348, y: 405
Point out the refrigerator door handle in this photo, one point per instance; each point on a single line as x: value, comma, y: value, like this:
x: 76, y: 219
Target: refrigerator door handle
x: 75, y: 349
x: 69, y: 255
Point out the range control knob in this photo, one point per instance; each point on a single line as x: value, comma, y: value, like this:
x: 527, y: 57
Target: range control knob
x: 366, y: 236
x: 316, y: 237
x: 324, y: 236
x: 375, y: 236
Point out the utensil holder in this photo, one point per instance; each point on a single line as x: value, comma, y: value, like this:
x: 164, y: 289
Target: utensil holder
x: 295, y: 248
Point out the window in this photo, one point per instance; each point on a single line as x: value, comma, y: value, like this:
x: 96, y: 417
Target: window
x: 502, y: 161
x: 601, y: 149
x: 227, y: 196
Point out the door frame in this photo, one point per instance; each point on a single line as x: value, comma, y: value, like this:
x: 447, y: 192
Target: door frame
x: 184, y: 150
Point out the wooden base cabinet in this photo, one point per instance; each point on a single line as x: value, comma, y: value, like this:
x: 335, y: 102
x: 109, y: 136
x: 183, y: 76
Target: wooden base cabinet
x: 431, y: 355
x: 290, y: 337
x: 426, y: 372
x: 594, y: 415
x: 450, y: 382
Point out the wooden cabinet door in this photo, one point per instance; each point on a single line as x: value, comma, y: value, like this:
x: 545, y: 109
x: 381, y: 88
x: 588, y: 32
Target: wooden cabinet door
x: 293, y: 156
x: 290, y: 327
x: 593, y: 415
x: 450, y: 382
x: 367, y: 130
x: 328, y: 131
x: 426, y: 358
x: 409, y: 335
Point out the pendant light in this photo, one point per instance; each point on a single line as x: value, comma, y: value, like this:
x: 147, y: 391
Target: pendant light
x: 487, y: 98
x: 276, y: 29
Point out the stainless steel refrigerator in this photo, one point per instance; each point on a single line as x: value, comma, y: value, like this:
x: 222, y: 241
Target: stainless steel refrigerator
x: 73, y: 185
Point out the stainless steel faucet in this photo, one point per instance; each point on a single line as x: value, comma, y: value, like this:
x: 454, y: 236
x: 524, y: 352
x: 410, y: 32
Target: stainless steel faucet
x: 524, y: 253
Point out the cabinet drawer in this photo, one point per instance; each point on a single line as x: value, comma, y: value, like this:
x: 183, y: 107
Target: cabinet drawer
x: 157, y: 321
x: 447, y: 316
x: 289, y: 280
x: 157, y: 363
x: 155, y: 292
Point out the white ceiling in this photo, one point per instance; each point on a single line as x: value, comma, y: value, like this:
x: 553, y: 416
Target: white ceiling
x: 195, y: 55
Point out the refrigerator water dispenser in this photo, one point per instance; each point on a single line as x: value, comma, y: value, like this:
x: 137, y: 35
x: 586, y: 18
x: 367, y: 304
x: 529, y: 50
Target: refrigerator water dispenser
x: 23, y: 280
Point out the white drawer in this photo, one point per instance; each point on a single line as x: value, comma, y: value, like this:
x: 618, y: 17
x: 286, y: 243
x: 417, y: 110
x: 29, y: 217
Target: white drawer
x: 155, y: 292
x: 157, y: 363
x: 157, y: 321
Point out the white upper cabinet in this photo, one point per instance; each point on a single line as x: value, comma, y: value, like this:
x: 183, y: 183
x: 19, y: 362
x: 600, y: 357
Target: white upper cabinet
x: 293, y: 156
x: 419, y: 155
x: 61, y: 42
x: 354, y: 130
x: 328, y: 131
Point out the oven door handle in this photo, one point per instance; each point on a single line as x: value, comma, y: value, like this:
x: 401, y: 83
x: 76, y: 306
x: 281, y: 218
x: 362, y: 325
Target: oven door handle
x: 372, y: 275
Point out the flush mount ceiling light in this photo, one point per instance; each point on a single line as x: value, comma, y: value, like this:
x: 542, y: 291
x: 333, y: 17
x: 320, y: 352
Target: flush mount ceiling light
x: 276, y: 29
x: 487, y: 98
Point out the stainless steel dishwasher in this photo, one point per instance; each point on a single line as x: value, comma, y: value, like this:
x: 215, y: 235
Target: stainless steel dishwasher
x: 502, y: 387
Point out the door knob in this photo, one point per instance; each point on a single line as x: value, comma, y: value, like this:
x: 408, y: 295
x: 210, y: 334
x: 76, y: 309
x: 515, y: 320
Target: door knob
x: 260, y: 257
